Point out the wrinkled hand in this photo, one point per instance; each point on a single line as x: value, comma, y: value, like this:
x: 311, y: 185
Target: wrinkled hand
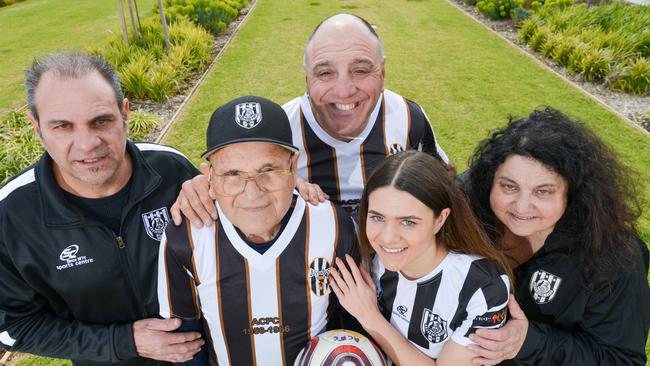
x: 495, y: 345
x: 310, y: 192
x: 196, y: 201
x: 155, y: 339
x: 355, y: 290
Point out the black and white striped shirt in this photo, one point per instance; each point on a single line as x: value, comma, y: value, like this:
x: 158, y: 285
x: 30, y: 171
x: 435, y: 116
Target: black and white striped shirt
x: 341, y: 168
x: 260, y: 309
x: 463, y: 293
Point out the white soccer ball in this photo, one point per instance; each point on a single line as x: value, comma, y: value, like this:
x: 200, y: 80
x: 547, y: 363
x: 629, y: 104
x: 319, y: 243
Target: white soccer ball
x: 340, y: 347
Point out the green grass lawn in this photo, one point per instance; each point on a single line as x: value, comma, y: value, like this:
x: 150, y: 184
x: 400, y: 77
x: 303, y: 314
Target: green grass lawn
x: 34, y: 27
x: 467, y: 79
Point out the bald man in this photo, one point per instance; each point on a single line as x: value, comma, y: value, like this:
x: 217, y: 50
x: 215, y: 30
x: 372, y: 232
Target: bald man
x: 344, y: 125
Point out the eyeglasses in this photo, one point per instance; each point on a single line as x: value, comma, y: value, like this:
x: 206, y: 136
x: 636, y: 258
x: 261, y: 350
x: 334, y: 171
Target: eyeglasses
x: 234, y: 184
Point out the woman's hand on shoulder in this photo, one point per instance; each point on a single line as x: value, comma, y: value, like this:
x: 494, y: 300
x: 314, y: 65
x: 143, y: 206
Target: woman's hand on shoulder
x: 495, y: 345
x: 355, y: 290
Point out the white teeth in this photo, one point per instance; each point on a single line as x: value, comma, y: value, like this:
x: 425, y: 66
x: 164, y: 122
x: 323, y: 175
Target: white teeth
x: 523, y: 217
x: 396, y: 250
x: 345, y: 107
x: 90, y: 160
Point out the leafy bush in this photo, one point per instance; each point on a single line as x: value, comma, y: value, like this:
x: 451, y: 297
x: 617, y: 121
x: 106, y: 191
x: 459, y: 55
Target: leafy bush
x: 20, y: 147
x: 521, y: 14
x: 498, y: 9
x: 632, y: 78
x: 146, y: 69
x: 212, y: 15
x: 9, y: 2
x: 610, y: 41
x: 142, y: 124
x: 538, y: 39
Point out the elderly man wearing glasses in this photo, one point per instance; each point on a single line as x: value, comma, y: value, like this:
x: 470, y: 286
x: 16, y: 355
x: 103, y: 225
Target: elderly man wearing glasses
x: 259, y: 276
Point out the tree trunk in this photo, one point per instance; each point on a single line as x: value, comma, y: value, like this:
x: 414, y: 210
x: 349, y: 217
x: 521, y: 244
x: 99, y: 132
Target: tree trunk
x: 164, y: 24
x: 135, y: 29
x: 125, y: 33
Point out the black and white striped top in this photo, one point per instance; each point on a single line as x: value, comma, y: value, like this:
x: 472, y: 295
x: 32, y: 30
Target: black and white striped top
x: 260, y: 309
x: 463, y: 293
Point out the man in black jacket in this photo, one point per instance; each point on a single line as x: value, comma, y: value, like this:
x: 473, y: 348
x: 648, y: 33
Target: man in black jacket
x: 80, y: 229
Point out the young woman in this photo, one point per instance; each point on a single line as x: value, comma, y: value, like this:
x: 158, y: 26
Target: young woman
x: 560, y: 205
x: 436, y: 276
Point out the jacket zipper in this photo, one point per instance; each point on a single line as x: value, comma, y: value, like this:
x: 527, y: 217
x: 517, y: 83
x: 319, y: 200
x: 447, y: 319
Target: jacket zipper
x: 121, y: 244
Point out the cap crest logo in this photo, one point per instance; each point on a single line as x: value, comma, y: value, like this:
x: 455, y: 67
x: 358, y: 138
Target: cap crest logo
x: 248, y: 115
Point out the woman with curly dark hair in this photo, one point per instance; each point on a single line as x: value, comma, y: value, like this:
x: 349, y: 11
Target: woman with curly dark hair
x: 562, y: 208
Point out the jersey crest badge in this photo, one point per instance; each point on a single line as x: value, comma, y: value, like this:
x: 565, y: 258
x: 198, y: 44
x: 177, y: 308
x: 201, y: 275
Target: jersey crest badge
x: 544, y: 286
x: 319, y: 276
x: 248, y: 115
x: 155, y: 222
x: 396, y: 148
x: 433, y: 327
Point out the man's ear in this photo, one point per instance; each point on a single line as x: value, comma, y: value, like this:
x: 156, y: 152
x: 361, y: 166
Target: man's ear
x: 125, y: 111
x: 37, y: 126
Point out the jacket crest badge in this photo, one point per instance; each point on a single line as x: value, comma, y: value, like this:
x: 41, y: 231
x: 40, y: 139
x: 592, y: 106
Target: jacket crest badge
x: 544, y: 286
x: 155, y: 222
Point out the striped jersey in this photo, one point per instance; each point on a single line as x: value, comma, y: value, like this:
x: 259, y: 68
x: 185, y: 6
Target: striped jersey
x: 341, y: 168
x: 258, y: 309
x: 463, y: 293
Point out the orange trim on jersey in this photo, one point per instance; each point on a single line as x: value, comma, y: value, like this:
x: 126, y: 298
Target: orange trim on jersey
x: 304, y: 145
x: 383, y: 122
x: 307, y: 272
x: 408, y: 126
x: 250, y: 311
x: 279, y: 295
x: 218, y: 285
x: 336, y: 174
x: 363, y: 165
x: 169, y: 291
x: 336, y: 232
x: 188, y: 227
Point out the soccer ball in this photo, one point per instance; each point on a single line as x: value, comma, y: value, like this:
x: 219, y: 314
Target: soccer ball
x: 340, y: 347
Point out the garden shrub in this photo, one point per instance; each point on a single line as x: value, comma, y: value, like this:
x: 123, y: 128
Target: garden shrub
x: 595, y: 64
x: 607, y: 41
x: 632, y: 78
x: 9, y: 2
x: 146, y: 68
x: 212, y: 15
x: 539, y: 38
x: 19, y: 146
x: 521, y: 14
x: 498, y: 9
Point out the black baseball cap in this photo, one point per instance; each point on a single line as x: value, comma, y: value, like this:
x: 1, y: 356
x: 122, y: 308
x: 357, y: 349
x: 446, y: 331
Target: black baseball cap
x: 248, y: 119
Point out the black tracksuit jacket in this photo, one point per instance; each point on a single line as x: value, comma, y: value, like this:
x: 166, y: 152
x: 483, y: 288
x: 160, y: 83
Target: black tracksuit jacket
x: 600, y: 320
x: 70, y: 287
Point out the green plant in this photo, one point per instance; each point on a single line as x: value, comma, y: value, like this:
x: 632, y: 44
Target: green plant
x: 595, y: 64
x: 632, y: 78
x: 574, y: 62
x: 539, y: 38
x: 553, y: 41
x: 521, y: 14
x: 564, y: 49
x: 142, y: 124
x: 528, y: 27
x: 212, y: 15
x: 19, y: 146
x: 498, y: 9
x: 146, y: 69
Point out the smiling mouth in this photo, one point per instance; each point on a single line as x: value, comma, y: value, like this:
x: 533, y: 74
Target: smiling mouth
x: 90, y: 161
x: 393, y: 250
x: 345, y: 107
x: 521, y: 218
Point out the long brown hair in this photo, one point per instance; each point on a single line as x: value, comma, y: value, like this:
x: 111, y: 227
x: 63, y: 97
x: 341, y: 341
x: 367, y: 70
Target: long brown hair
x: 426, y: 178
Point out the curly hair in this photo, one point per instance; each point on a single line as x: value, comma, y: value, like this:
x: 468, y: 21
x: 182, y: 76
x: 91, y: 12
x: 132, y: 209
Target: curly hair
x: 602, y: 199
x: 426, y: 178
